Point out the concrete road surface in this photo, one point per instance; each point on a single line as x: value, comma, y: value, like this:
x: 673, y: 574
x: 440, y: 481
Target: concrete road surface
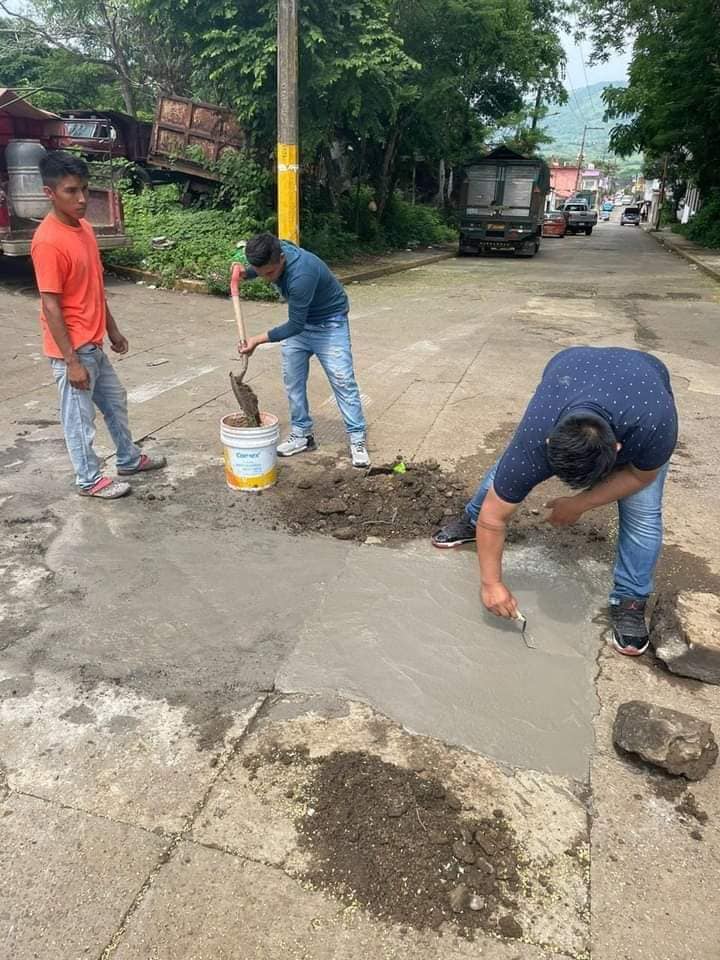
x: 147, y: 646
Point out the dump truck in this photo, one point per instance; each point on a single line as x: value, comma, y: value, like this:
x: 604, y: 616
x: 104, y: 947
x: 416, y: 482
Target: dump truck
x: 183, y: 144
x: 26, y: 132
x: 502, y: 203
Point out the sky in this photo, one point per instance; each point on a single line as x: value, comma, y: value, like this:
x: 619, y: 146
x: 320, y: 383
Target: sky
x: 614, y: 69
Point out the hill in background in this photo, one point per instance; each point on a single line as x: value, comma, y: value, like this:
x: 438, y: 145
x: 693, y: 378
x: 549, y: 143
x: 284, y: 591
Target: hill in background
x: 584, y: 106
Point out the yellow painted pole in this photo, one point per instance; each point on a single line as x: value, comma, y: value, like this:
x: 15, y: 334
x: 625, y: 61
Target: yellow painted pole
x: 288, y: 153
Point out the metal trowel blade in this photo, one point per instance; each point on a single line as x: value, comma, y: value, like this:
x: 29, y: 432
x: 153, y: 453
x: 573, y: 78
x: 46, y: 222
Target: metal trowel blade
x: 522, y: 623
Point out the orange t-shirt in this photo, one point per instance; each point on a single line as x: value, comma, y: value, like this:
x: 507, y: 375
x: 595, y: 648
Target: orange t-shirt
x: 67, y: 262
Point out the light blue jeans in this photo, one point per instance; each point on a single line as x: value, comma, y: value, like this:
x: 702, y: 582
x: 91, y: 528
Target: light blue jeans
x: 639, y: 537
x: 77, y: 413
x: 330, y: 343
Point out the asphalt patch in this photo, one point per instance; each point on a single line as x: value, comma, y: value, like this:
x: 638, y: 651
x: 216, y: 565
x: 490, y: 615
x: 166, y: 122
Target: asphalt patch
x: 396, y: 842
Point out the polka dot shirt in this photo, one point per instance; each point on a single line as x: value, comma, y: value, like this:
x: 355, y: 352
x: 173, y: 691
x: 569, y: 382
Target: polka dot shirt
x: 628, y: 388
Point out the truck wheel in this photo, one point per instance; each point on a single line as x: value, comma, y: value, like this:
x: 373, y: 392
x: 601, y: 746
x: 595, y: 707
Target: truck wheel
x: 140, y: 179
x: 527, y: 249
x: 588, y: 231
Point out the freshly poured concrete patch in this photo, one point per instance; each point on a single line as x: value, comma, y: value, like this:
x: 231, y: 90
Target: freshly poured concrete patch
x: 66, y: 879
x: 405, y: 631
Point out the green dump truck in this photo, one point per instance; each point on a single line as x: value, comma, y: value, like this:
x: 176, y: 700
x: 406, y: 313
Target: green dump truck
x: 502, y: 203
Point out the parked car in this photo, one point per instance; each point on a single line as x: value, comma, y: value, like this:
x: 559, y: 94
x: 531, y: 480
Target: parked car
x: 554, y: 224
x: 630, y: 215
x: 626, y: 198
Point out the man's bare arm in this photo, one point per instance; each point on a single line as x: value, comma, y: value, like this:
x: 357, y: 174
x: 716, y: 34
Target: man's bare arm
x: 620, y: 484
x: 52, y: 310
x: 490, y: 540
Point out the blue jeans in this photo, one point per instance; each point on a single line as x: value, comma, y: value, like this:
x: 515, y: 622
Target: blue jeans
x: 77, y: 413
x: 639, y: 538
x: 330, y: 343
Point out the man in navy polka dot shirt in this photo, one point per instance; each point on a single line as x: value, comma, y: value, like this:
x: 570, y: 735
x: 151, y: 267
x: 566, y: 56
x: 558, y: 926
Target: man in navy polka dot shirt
x: 603, y: 420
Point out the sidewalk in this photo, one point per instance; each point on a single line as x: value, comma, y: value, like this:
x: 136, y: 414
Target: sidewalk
x: 704, y: 259
x: 364, y: 268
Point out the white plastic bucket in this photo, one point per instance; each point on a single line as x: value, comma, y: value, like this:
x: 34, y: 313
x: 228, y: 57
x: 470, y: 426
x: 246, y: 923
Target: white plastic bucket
x: 250, y: 453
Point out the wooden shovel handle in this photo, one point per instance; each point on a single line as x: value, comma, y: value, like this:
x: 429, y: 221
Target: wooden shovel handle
x: 239, y: 318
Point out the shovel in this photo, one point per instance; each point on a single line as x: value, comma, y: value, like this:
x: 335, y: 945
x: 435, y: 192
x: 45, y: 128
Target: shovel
x: 244, y: 394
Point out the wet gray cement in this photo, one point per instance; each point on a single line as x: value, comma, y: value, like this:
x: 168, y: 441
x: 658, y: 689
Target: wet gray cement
x: 404, y: 631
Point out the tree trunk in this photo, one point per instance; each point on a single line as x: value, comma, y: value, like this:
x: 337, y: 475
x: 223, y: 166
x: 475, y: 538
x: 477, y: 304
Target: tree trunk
x: 450, y: 184
x: 387, y: 177
x: 127, y: 94
x: 440, y: 198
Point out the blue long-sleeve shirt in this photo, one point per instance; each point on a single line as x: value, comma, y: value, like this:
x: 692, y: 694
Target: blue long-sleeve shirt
x: 313, y: 293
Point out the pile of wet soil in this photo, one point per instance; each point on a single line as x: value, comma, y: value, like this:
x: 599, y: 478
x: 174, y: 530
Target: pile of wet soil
x: 354, y: 505
x: 395, y: 842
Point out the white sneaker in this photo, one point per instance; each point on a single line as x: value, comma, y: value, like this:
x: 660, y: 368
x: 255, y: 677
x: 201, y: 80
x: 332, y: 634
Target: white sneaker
x: 295, y: 444
x: 359, y: 454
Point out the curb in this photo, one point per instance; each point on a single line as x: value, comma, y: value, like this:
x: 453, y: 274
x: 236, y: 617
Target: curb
x: 199, y: 286
x: 710, y: 271
x: 390, y: 268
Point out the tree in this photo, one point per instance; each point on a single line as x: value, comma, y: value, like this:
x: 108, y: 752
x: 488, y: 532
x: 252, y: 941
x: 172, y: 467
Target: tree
x: 671, y: 107
x: 113, y: 36
x: 387, y: 78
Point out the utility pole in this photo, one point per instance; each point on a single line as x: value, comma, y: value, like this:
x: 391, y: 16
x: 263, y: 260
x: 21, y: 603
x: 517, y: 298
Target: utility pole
x: 581, y: 155
x: 661, y: 198
x: 288, y: 153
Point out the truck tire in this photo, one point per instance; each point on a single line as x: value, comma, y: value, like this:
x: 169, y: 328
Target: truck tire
x: 527, y: 249
x: 588, y: 231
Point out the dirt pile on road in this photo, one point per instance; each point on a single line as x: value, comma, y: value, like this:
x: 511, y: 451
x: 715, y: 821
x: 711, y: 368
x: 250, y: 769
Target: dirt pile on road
x: 395, y: 841
x: 353, y: 505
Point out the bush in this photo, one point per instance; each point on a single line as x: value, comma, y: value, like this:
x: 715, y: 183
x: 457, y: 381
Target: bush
x: 704, y: 228
x: 203, y: 241
x: 408, y: 225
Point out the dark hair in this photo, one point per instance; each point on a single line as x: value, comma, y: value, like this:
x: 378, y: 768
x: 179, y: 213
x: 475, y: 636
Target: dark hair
x: 582, y: 450
x: 57, y: 165
x: 263, y: 249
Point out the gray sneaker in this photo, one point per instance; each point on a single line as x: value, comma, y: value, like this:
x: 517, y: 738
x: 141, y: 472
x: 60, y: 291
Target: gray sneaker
x: 106, y: 489
x: 295, y: 444
x: 359, y: 454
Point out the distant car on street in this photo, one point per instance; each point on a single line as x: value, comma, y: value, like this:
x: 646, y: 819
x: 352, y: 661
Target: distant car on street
x: 554, y: 224
x: 626, y: 198
x: 630, y: 215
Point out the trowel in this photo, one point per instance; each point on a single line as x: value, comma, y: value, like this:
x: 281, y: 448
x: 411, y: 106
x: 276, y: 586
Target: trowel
x: 521, y: 621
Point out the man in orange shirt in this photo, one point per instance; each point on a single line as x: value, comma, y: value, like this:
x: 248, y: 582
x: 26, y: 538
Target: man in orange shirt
x: 75, y: 320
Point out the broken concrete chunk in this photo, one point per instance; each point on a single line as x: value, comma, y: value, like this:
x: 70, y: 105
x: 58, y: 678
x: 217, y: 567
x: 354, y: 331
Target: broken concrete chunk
x: 685, y: 634
x: 679, y: 743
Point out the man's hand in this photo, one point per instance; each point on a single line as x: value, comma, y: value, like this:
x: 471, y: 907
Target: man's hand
x: 498, y: 600
x: 237, y: 272
x: 564, y: 511
x: 78, y: 375
x: 118, y: 343
x: 247, y: 348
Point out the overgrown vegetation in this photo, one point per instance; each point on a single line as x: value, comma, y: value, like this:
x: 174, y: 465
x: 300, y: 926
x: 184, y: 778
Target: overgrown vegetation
x: 670, y: 109
x: 198, y: 243
x: 704, y: 228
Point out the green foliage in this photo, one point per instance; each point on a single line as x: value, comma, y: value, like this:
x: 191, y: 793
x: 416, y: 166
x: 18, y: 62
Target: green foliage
x: 704, y: 228
x: 408, y: 225
x: 203, y: 240
x: 671, y: 106
x: 67, y: 80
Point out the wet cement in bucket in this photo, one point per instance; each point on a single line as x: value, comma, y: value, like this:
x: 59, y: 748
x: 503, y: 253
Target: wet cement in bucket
x: 248, y: 401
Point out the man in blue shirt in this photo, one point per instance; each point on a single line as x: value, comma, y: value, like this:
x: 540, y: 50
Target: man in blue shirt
x: 603, y: 420
x: 317, y: 325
